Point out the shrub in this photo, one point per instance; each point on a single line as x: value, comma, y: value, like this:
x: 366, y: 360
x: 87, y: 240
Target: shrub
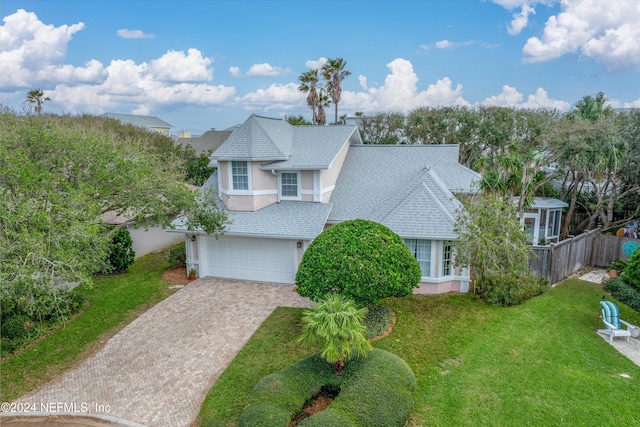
x: 359, y: 259
x: 336, y: 324
x: 632, y: 271
x: 177, y: 255
x: 120, y: 253
x: 623, y: 292
x: 377, y: 320
x: 15, y: 327
x: 376, y: 390
x: 506, y: 290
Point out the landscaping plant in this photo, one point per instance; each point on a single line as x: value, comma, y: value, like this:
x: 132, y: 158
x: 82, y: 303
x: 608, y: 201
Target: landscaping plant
x: 361, y: 260
x: 336, y: 324
x: 120, y: 253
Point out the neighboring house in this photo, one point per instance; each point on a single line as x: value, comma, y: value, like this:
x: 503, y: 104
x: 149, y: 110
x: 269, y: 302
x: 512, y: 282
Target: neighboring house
x: 281, y: 185
x: 208, y: 142
x: 543, y: 220
x: 146, y: 122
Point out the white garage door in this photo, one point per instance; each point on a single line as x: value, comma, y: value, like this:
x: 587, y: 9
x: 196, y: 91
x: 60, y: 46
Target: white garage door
x: 267, y: 260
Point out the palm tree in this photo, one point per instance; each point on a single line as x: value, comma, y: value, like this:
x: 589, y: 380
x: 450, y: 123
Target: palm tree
x: 36, y: 96
x: 592, y: 108
x: 336, y: 324
x: 308, y: 84
x: 323, y: 101
x: 334, y: 73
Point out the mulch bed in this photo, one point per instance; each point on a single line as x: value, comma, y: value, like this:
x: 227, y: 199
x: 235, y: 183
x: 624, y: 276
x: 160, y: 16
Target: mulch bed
x: 176, y: 276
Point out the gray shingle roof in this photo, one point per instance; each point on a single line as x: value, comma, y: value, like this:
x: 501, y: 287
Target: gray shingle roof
x: 287, y: 146
x: 284, y: 220
x: 140, y: 121
x: 408, y: 188
x: 209, y: 141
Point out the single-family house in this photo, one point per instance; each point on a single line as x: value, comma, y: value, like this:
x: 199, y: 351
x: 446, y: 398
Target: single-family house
x: 147, y: 122
x: 282, y: 185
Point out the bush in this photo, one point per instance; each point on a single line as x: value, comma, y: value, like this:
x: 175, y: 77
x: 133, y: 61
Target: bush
x: 15, y: 327
x: 632, y: 272
x: 506, y: 290
x: 623, y: 292
x: 120, y: 253
x: 377, y: 320
x: 359, y: 259
x: 177, y: 255
x: 376, y: 390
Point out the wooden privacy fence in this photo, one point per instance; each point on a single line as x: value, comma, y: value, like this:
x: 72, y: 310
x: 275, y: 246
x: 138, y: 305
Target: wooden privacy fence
x: 560, y: 260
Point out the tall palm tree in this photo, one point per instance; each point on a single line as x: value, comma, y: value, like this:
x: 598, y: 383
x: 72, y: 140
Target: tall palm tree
x: 308, y: 84
x: 334, y: 73
x: 36, y: 96
x: 323, y: 101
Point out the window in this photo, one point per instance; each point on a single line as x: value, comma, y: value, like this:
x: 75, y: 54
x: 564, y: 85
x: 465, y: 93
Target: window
x: 239, y: 175
x: 554, y: 223
x: 446, y: 258
x: 289, y: 184
x: 421, y: 249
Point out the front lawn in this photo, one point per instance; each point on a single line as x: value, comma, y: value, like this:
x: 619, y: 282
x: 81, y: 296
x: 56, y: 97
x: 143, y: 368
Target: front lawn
x: 114, y: 302
x: 540, y: 363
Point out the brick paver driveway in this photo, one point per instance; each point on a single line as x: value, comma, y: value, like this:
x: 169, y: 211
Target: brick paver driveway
x: 158, y: 369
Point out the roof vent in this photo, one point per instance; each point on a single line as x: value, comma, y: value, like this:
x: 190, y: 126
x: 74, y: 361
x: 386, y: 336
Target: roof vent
x: 427, y: 167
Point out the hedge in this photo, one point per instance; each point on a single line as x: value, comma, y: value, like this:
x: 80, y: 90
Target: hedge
x: 623, y: 292
x: 376, y: 390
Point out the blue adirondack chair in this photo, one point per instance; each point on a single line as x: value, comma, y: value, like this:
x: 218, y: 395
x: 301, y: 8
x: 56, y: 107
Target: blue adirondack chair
x: 613, y: 323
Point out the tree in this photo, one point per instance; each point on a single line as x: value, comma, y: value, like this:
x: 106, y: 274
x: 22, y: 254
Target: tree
x: 36, y: 96
x: 592, y: 108
x: 334, y: 73
x: 297, y: 120
x: 336, y: 324
x: 323, y: 102
x: 382, y: 128
x: 491, y: 241
x: 60, y: 174
x: 308, y: 84
x: 359, y: 259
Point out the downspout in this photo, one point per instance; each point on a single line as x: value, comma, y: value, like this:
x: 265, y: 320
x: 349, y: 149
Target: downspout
x: 273, y: 172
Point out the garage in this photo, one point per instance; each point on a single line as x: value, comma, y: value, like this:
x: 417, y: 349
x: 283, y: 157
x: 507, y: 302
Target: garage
x: 245, y: 258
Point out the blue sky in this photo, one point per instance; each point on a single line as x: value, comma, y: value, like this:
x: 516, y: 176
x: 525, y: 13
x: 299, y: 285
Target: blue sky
x: 209, y: 64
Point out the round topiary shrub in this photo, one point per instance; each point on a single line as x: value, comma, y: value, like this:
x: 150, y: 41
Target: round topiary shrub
x: 376, y: 390
x: 120, y: 253
x: 362, y: 260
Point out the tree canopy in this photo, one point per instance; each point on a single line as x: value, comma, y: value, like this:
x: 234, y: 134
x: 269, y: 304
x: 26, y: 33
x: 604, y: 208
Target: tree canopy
x: 60, y: 174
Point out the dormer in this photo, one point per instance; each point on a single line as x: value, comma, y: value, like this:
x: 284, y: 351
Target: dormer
x: 268, y: 160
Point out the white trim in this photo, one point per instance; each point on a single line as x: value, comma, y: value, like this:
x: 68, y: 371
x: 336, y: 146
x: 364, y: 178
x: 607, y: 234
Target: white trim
x: 424, y: 279
x: 249, y: 192
x: 317, y: 186
x: 328, y: 189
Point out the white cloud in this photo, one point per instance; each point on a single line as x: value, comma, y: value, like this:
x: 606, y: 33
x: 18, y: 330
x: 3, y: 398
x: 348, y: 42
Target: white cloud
x: 520, y: 20
x: 510, y: 97
x: 632, y: 104
x: 28, y: 45
x: 134, y: 34
x: 265, y: 69
x: 275, y: 97
x: 316, y: 64
x: 606, y: 31
x: 235, y: 71
x: 363, y: 81
x: 175, y: 66
x: 446, y: 44
x: 400, y: 92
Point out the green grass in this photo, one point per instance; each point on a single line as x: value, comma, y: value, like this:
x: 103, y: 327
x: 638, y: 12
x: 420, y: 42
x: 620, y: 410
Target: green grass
x: 114, y: 302
x: 540, y: 363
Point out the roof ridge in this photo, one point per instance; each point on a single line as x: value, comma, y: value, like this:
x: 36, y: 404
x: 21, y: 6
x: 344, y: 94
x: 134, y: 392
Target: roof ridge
x: 266, y: 133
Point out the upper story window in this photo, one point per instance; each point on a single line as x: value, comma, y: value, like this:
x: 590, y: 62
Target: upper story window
x: 239, y: 175
x: 554, y: 223
x: 421, y: 249
x: 289, y: 185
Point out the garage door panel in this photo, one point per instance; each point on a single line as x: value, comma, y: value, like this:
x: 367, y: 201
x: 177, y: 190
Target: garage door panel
x: 268, y: 260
